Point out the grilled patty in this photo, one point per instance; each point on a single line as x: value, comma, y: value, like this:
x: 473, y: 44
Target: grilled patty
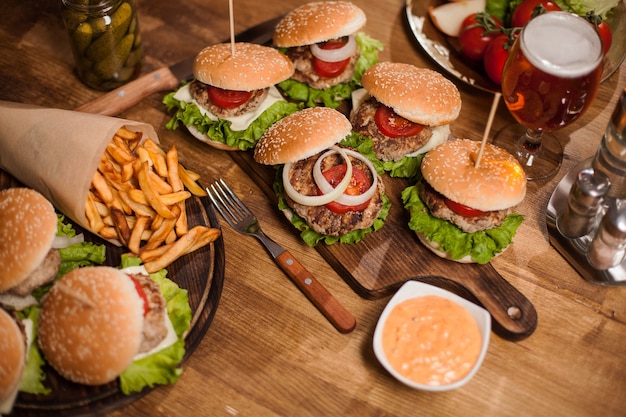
x: 437, y: 206
x: 302, y: 59
x: 385, y: 147
x: 321, y: 219
x: 199, y: 91
x: 154, y: 329
x: 43, y: 274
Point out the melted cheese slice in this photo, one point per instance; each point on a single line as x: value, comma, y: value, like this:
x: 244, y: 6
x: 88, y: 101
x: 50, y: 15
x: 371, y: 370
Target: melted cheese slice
x: 238, y: 123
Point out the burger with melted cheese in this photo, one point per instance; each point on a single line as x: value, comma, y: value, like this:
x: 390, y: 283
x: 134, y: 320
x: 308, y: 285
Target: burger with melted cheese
x: 233, y: 98
x: 402, y: 112
x: 13, y: 355
x: 329, y: 52
x: 328, y: 192
x: 463, y: 212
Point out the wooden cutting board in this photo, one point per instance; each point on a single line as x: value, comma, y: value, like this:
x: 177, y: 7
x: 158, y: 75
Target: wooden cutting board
x: 378, y: 265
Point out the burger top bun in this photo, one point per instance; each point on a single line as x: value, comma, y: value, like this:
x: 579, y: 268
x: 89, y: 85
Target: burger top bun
x: 318, y: 22
x: 497, y: 183
x: 421, y: 95
x: 90, y: 325
x: 252, y: 67
x: 301, y: 135
x: 28, y: 225
x: 12, y: 356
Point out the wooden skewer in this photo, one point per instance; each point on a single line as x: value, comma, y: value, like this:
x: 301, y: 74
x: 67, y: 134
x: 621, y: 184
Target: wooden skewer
x: 492, y: 113
x: 232, y: 26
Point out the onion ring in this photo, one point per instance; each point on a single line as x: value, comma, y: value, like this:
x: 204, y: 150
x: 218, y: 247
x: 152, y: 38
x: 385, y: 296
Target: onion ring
x: 335, y: 55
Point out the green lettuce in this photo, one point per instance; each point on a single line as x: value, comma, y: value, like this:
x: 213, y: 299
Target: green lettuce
x: 335, y: 95
x: 311, y: 237
x: 161, y: 367
x: 582, y: 7
x: 33, y: 377
x: 482, y: 246
x: 220, y: 130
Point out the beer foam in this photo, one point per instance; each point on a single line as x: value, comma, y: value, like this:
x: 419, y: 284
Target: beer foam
x: 561, y: 44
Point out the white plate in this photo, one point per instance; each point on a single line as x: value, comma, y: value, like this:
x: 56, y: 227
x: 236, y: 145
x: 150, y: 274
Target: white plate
x: 413, y: 289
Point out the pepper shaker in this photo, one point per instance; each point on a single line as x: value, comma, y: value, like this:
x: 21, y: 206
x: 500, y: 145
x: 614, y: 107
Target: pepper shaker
x: 608, y: 247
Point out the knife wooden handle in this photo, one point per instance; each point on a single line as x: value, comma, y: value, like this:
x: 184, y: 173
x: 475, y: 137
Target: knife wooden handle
x: 116, y: 101
x: 328, y: 305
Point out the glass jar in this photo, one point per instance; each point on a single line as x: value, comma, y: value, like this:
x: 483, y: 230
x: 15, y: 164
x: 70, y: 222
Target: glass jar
x: 106, y: 41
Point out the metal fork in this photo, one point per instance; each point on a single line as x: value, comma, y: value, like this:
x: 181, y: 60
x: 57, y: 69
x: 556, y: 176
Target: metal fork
x: 240, y: 218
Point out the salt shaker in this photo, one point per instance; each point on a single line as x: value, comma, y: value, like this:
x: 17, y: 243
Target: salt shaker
x: 610, y: 159
x: 608, y: 247
x: 583, y: 204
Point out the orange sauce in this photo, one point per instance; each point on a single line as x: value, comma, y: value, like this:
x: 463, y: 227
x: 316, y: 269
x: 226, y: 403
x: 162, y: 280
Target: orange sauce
x: 431, y: 340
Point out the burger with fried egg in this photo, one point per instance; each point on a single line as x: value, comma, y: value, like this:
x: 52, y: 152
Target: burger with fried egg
x: 329, y: 52
x: 461, y: 211
x: 233, y: 98
x: 330, y: 193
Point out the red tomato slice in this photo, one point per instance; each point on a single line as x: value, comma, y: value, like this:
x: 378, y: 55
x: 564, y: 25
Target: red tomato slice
x: 393, y: 125
x: 142, y: 294
x: 358, y: 185
x: 228, y: 99
x: 462, y: 209
x: 330, y: 69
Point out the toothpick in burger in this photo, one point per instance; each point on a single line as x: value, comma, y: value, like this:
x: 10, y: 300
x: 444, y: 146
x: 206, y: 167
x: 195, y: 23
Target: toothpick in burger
x: 401, y: 113
x: 329, y: 52
x: 99, y: 323
x: 233, y: 98
x: 462, y: 212
x: 328, y: 192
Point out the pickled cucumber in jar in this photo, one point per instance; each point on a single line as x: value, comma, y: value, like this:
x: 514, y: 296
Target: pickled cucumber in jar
x: 105, y: 40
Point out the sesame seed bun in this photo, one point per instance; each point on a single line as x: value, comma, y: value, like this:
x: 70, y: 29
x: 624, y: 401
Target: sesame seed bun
x: 28, y: 224
x: 421, y: 95
x: 318, y: 22
x: 12, y: 356
x: 301, y: 135
x: 90, y: 326
x: 252, y: 67
x: 497, y: 183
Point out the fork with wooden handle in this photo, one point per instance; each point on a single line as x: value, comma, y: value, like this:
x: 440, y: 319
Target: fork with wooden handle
x: 240, y: 218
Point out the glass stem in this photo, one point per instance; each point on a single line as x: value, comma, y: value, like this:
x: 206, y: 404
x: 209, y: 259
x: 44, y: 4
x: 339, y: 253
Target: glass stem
x: 531, y: 141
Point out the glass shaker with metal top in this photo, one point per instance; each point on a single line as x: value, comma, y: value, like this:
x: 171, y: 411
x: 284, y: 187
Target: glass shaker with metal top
x: 106, y: 41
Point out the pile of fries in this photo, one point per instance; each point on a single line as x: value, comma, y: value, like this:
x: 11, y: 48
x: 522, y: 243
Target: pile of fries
x: 138, y: 195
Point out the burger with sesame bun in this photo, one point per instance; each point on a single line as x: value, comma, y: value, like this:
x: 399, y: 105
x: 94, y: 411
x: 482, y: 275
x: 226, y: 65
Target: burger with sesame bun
x: 461, y: 211
x: 402, y: 112
x: 327, y: 191
x: 100, y: 323
x: 233, y: 98
x: 12, y: 360
x: 329, y: 52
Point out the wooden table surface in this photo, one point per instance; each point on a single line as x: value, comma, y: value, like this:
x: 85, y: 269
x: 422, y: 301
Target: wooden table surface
x: 269, y: 352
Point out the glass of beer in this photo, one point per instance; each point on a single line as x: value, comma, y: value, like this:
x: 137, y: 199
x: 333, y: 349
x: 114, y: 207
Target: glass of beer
x: 549, y: 80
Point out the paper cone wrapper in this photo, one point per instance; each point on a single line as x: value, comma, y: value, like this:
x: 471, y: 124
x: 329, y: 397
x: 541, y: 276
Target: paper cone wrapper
x: 56, y: 152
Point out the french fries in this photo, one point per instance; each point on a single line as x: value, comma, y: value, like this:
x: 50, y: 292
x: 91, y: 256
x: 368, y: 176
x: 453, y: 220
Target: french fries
x: 138, y: 196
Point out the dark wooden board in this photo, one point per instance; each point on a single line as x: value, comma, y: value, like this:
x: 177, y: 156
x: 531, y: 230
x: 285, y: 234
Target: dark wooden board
x: 378, y: 265
x: 201, y: 273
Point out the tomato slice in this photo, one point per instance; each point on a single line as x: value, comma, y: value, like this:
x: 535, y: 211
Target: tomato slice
x: 358, y: 185
x: 462, y: 209
x: 393, y: 125
x: 228, y: 99
x: 142, y: 294
x: 330, y: 69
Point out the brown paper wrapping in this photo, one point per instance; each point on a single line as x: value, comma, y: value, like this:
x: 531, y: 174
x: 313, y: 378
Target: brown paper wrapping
x: 56, y: 152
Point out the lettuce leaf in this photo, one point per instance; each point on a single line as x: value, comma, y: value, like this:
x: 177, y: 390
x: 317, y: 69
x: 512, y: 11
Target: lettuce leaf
x: 482, y: 246
x: 161, y: 367
x: 33, y: 377
x: 335, y: 95
x: 220, y: 130
x: 311, y: 237
x: 582, y: 7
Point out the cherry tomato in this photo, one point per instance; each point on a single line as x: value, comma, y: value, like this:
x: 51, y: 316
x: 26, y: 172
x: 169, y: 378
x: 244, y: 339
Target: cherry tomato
x: 495, y: 56
x: 330, y: 69
x: 603, y: 30
x: 228, y: 99
x: 476, y: 32
x: 358, y: 185
x: 528, y: 9
x: 393, y: 125
x: 142, y: 294
x: 462, y: 209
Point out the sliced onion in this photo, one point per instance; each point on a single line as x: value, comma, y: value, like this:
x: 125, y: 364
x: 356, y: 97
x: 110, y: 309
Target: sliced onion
x: 345, y: 199
x: 60, y: 242
x: 335, y: 55
x: 318, y: 200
